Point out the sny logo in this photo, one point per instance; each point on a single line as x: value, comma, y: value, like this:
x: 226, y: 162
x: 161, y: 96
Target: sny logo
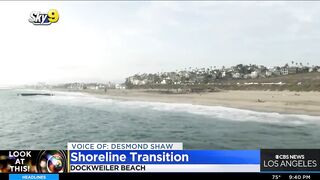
x: 38, y: 18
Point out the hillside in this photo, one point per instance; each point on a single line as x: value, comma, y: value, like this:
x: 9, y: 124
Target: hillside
x: 293, y: 82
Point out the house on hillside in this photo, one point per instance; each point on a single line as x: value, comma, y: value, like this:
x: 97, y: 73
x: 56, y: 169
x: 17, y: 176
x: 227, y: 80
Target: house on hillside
x: 236, y: 75
x: 284, y: 71
x: 268, y: 73
x: 254, y: 74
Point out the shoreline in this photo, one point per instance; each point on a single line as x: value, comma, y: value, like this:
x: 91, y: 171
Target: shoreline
x: 283, y: 102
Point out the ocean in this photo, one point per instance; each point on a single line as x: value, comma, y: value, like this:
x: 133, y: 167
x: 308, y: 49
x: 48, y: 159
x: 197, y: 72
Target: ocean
x: 49, y: 122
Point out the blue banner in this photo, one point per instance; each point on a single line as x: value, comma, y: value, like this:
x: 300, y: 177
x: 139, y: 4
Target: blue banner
x: 33, y: 176
x: 165, y: 157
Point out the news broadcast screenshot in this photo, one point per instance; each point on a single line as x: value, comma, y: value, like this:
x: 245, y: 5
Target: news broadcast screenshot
x: 159, y: 89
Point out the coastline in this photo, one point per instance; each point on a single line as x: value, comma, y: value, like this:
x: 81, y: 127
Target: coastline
x: 283, y: 102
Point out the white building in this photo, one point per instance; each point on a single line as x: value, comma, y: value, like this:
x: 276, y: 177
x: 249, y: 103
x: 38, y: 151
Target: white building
x: 254, y: 74
x: 236, y: 75
x: 119, y: 86
x: 268, y: 73
x: 284, y: 71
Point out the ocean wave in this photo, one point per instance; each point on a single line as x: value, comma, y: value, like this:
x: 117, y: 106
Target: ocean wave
x: 225, y: 113
x: 75, y: 99
x: 215, y: 112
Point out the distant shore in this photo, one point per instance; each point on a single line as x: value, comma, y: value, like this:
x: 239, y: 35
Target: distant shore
x: 285, y: 102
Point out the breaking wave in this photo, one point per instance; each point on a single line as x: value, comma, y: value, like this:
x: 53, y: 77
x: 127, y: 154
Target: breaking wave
x: 215, y: 112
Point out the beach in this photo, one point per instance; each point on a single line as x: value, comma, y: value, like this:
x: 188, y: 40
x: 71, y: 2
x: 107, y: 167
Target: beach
x: 141, y: 116
x: 284, y: 102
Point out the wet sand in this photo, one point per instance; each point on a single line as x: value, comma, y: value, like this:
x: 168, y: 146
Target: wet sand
x: 285, y: 102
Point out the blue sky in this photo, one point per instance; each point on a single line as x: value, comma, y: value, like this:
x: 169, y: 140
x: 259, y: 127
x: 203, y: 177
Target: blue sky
x: 108, y: 41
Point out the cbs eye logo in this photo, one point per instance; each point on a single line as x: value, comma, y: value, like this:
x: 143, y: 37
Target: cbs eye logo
x: 38, y: 18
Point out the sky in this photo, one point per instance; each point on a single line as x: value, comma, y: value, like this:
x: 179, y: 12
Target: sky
x: 109, y: 41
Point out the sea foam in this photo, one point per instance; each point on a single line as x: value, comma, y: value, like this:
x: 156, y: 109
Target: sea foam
x: 215, y: 112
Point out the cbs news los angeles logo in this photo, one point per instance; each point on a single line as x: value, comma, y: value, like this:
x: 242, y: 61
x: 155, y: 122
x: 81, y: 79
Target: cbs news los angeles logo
x: 39, y: 18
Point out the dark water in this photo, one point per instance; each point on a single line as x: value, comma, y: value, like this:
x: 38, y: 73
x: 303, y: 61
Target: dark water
x: 44, y: 122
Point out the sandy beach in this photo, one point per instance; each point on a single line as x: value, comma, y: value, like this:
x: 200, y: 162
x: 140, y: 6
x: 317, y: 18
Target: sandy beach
x: 285, y: 102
